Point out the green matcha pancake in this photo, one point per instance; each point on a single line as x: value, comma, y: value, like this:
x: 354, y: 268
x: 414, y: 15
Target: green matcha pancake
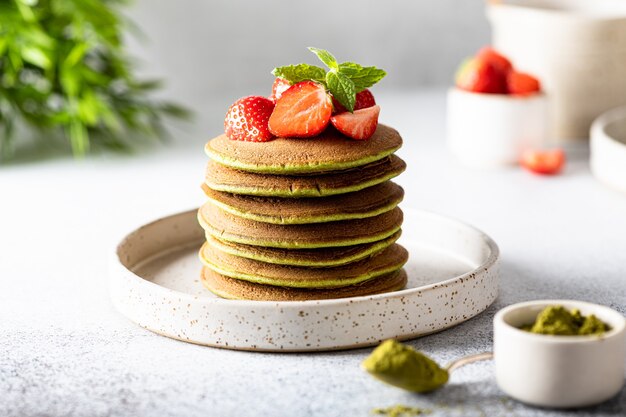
x: 244, y: 290
x: 231, y: 228
x: 329, y: 151
x: 221, y: 178
x: 313, y: 258
x: 390, y: 259
x: 358, y: 205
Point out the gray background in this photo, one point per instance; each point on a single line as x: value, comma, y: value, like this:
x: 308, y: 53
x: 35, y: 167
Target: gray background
x: 212, y: 52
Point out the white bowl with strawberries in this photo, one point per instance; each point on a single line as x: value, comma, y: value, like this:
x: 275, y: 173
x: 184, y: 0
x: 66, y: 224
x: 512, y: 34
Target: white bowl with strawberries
x: 306, y: 100
x: 495, y: 113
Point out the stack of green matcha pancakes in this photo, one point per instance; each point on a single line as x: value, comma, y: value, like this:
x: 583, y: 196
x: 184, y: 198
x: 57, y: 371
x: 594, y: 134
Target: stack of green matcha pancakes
x: 303, y: 219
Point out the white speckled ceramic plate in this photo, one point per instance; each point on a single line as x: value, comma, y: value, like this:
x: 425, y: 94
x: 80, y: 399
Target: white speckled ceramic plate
x: 453, y: 276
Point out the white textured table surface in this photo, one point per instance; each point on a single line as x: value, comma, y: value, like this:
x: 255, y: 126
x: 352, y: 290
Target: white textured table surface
x: 64, y: 351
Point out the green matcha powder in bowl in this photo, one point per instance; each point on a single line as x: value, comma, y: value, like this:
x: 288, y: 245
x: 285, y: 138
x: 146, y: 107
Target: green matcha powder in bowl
x: 559, y: 321
x: 559, y: 353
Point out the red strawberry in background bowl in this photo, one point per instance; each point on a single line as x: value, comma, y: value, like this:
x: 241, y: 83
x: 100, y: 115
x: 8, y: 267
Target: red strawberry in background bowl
x: 478, y: 75
x: 501, y: 63
x: 494, y: 111
x: 519, y: 83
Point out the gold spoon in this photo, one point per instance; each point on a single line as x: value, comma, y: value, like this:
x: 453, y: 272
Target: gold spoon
x: 466, y: 360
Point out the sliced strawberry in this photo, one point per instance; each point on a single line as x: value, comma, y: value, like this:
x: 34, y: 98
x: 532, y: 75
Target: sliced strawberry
x: 247, y: 119
x: 501, y: 63
x: 359, y: 125
x: 522, y: 84
x: 480, y: 76
x: 278, y: 88
x: 543, y: 162
x: 302, y: 111
x: 364, y: 99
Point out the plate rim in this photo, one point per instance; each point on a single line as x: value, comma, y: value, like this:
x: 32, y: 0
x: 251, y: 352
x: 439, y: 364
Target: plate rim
x: 492, y: 259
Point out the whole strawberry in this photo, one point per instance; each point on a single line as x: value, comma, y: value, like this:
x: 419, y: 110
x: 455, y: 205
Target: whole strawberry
x: 502, y: 63
x: 247, y: 119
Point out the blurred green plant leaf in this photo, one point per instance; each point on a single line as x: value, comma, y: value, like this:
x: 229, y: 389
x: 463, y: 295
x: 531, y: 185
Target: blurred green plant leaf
x: 36, y: 57
x: 76, y: 55
x: 64, y: 71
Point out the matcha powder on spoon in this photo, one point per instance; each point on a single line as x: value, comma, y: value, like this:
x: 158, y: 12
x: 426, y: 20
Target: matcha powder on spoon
x: 404, y: 367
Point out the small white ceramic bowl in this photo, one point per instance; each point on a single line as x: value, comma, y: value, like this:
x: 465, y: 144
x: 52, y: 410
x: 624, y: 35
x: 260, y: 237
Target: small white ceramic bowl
x: 567, y: 44
x: 491, y: 130
x: 558, y: 371
x: 608, y: 148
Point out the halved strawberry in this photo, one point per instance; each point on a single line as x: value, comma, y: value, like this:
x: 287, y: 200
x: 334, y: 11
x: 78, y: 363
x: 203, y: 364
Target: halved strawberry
x: 364, y: 99
x: 278, y: 88
x: 543, y: 162
x: 302, y: 111
x: 359, y: 125
x: 501, y: 63
x: 480, y: 76
x: 247, y: 119
x: 522, y: 84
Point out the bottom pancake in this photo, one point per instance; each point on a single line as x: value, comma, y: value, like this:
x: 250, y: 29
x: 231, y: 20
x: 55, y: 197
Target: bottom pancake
x: 243, y: 290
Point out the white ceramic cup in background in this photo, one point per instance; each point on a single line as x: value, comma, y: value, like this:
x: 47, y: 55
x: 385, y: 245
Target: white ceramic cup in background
x: 558, y: 371
x: 577, y: 48
x: 490, y: 130
x: 608, y: 148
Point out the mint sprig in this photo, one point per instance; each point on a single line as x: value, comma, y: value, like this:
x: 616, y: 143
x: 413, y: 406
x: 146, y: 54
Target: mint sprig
x: 362, y: 77
x: 342, y: 88
x: 343, y: 80
x: 326, y: 57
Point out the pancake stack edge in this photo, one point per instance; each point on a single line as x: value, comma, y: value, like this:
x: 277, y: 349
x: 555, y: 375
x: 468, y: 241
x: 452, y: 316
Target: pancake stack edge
x: 303, y: 219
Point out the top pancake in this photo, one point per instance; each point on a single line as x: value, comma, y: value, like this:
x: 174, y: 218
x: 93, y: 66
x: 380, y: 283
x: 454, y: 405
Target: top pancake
x: 329, y: 151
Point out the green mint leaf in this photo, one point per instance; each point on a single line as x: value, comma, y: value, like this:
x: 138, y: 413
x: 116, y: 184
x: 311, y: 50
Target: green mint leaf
x: 326, y: 57
x: 301, y: 72
x: 342, y: 89
x: 362, y: 77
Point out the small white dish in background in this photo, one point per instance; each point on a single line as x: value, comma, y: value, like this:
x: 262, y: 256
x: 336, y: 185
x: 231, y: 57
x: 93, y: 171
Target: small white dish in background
x: 577, y: 48
x: 491, y: 130
x: 558, y: 371
x: 608, y: 148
